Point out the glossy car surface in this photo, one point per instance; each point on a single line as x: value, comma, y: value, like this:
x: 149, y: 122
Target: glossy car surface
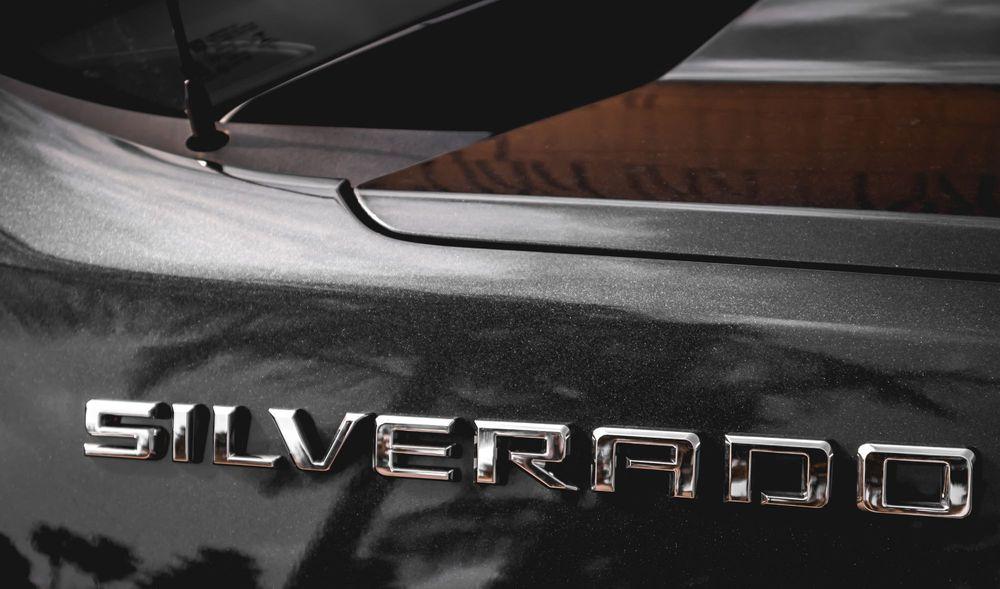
x: 131, y: 272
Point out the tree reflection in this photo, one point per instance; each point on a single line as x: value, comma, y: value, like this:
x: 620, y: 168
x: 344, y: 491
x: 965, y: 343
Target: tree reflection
x: 533, y: 360
x: 100, y: 557
x: 15, y: 569
x: 210, y: 568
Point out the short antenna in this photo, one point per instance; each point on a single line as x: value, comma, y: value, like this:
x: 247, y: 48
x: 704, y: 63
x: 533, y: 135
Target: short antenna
x: 205, y: 135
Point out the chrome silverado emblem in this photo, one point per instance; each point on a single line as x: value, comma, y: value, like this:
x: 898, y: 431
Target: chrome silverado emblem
x: 610, y: 446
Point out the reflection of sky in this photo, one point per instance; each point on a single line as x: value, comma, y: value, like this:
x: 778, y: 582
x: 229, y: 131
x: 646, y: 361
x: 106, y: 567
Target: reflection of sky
x: 855, y: 40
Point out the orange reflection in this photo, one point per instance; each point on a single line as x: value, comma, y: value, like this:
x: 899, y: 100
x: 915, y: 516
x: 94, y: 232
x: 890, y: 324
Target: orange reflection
x: 887, y: 147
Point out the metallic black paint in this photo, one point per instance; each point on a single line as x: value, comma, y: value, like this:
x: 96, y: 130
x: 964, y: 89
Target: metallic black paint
x: 129, y: 274
x: 924, y: 244
x: 351, y: 153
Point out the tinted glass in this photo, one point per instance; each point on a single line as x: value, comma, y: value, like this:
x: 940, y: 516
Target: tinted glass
x: 124, y: 53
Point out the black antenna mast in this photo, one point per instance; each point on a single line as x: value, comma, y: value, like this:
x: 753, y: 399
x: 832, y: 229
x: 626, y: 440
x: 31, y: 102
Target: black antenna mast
x: 205, y: 135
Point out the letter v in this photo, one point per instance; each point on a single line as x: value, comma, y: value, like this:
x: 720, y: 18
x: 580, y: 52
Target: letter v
x: 289, y: 423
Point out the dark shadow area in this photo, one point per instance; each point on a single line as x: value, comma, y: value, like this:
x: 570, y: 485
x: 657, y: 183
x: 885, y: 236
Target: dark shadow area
x: 100, y: 557
x: 500, y: 66
x: 107, y: 560
x: 15, y: 569
x: 210, y: 568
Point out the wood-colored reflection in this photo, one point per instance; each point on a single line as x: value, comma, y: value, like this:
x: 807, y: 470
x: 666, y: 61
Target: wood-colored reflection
x: 885, y: 147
